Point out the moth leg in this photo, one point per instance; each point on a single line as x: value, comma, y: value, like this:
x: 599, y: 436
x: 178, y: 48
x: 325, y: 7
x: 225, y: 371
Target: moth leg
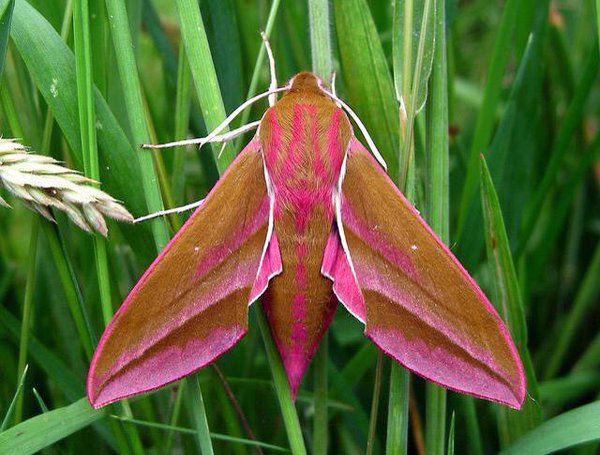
x: 273, y: 86
x: 183, y: 208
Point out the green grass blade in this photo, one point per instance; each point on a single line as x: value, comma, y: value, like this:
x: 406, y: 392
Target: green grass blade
x: 27, y: 311
x: 223, y: 36
x: 437, y: 196
x: 397, y: 425
x: 562, y: 207
x: 203, y: 72
x: 320, y: 38
x: 412, y: 67
x: 14, y: 401
x: 87, y: 127
x: 182, y: 119
x: 52, y: 365
x: 215, y: 436
x: 132, y: 92
x: 376, y: 396
x: 282, y: 388
x: 513, y: 424
x: 590, y: 358
x: 598, y: 19
x: 566, y: 430
x: 510, y: 156
x: 367, y: 80
x: 46, y: 429
x: 6, y: 12
x: 585, y: 302
x: 40, y: 400
x: 260, y: 59
x: 70, y: 287
x: 322, y: 66
x: 451, y: 431
x: 198, y: 413
x: 572, y: 120
x: 573, y: 387
x: 412, y: 57
x: 320, y: 427
x: 485, y: 120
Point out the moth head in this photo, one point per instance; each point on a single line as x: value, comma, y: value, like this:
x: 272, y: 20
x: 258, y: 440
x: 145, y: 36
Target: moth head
x: 306, y: 82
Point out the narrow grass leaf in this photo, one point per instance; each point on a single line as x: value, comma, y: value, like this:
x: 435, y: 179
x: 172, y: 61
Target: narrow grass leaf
x: 282, y: 388
x: 13, y: 402
x: 132, y: 95
x: 204, y: 74
x: 562, y: 206
x: 198, y: 415
x: 260, y: 59
x: 598, y: 19
x: 6, y: 12
x: 510, y: 155
x: 215, y: 436
x: 585, y: 302
x: 571, y: 121
x: 566, y: 430
x: 225, y: 46
x: 572, y: 387
x: 437, y: 185
x: 513, y: 424
x: 51, y: 364
x: 367, y: 80
x: 412, y: 59
x: 322, y: 66
x: 28, y: 301
x: 397, y: 423
x: 451, y: 430
x: 46, y: 429
x: 590, y: 358
x: 414, y: 38
x: 320, y: 38
x: 491, y: 97
x: 40, y: 400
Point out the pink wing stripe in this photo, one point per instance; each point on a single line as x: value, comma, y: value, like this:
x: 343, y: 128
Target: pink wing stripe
x: 435, y: 363
x: 217, y: 291
x: 372, y: 277
x: 270, y: 267
x: 336, y: 267
x: 216, y: 255
x: 169, y: 364
x: 173, y: 363
x: 357, y: 147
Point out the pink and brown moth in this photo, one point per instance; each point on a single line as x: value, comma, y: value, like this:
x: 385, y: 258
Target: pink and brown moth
x: 305, y: 218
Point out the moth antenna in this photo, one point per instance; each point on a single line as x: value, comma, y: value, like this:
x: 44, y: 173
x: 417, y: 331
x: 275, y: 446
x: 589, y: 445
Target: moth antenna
x: 332, y: 83
x: 272, y: 97
x: 361, y: 127
x: 219, y: 138
x: 222, y: 150
x: 224, y: 123
x: 183, y: 208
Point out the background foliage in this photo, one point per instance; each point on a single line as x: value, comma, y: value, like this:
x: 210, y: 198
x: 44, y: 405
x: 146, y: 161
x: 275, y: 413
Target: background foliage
x: 513, y: 82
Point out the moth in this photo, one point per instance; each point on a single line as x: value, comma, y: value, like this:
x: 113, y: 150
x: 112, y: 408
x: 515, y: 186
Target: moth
x: 305, y: 218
